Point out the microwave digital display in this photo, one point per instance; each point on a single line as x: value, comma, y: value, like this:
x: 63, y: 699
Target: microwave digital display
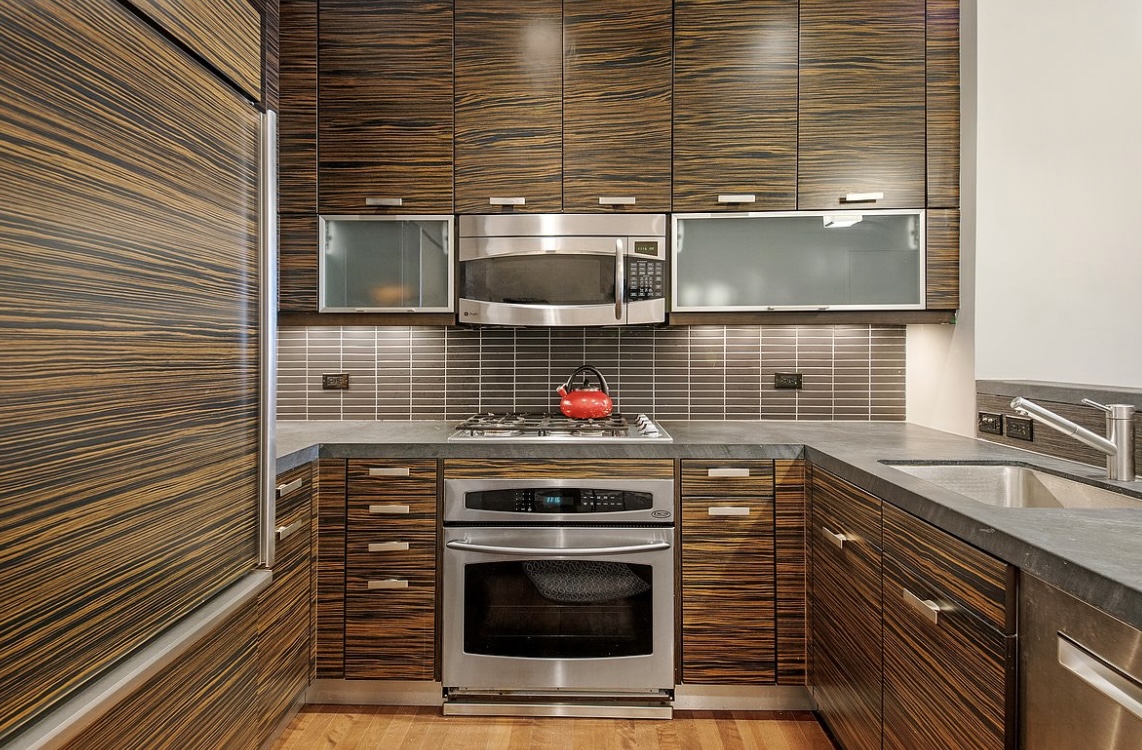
x: 646, y: 247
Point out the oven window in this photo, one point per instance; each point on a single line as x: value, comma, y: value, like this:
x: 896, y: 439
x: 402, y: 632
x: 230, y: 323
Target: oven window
x: 558, y: 609
x: 582, y: 279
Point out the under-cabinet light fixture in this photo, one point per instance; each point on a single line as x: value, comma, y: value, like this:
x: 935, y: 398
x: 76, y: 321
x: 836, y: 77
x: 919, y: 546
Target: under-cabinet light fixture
x: 838, y: 221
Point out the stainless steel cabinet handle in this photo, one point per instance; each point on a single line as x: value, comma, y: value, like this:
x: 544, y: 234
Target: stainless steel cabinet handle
x: 283, y: 531
x: 288, y: 487
x: 384, y: 201
x: 620, y: 279
x: 617, y: 200
x: 928, y: 608
x: 838, y: 540
x: 727, y: 472
x: 499, y: 201
x: 391, y: 583
x: 389, y: 471
x: 727, y: 511
x: 1101, y: 674
x: 388, y: 546
x: 737, y: 198
x: 862, y: 198
x: 389, y: 510
x: 464, y: 544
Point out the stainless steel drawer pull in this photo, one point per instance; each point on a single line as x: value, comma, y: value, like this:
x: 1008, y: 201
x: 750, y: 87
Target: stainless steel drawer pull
x: 388, y: 546
x: 617, y: 200
x: 728, y: 472
x: 389, y: 510
x: 727, y: 511
x: 288, y: 487
x: 390, y: 583
x: 389, y: 471
x: 498, y: 201
x: 737, y: 198
x: 862, y: 198
x: 283, y: 531
x: 836, y: 539
x: 926, y: 607
x: 1104, y: 676
x: 384, y: 201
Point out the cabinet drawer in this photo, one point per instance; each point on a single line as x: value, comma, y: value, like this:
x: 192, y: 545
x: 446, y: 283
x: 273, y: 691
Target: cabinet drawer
x: 946, y: 683
x: 727, y: 478
x: 407, y: 515
x: 416, y: 565
x: 843, y: 509
x: 845, y: 619
x: 294, y: 491
x: 370, y: 478
x: 974, y: 579
x: 389, y: 634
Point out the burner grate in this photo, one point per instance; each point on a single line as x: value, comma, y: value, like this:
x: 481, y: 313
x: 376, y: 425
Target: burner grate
x: 545, y: 426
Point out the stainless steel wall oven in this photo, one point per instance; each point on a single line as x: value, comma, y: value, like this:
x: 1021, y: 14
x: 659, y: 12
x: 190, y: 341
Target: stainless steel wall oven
x: 559, y: 596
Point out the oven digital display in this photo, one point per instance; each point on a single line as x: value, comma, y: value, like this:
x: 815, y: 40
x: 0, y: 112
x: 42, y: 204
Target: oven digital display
x: 646, y: 247
x: 558, y: 500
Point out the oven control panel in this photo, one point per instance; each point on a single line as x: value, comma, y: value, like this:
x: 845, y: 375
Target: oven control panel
x: 645, y: 279
x: 558, y: 500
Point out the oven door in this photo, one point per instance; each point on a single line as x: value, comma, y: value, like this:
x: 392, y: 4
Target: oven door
x: 548, y: 610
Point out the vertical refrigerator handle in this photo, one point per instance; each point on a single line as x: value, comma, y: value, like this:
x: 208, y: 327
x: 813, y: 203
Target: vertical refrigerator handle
x: 267, y: 335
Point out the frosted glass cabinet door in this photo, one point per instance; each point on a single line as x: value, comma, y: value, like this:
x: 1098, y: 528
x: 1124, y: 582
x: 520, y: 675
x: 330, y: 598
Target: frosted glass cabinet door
x: 781, y: 261
x: 386, y: 264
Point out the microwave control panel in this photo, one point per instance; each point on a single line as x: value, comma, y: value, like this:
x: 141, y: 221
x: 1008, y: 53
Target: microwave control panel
x: 646, y: 279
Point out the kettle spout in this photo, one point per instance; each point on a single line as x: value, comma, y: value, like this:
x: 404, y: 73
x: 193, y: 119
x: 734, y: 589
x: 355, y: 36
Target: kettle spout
x: 562, y: 390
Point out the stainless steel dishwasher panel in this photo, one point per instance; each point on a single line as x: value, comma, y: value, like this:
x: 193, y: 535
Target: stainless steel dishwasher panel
x: 1080, y: 674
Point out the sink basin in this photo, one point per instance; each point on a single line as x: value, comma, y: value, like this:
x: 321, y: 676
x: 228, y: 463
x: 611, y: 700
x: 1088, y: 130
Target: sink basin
x: 1014, y: 486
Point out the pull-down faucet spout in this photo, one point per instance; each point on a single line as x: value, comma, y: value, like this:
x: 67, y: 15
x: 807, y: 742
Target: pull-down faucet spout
x: 1118, y: 445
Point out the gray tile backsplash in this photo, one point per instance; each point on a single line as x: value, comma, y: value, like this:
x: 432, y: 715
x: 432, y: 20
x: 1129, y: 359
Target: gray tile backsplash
x: 853, y: 372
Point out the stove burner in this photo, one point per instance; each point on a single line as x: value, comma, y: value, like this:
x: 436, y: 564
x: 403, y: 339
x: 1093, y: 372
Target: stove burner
x: 556, y: 427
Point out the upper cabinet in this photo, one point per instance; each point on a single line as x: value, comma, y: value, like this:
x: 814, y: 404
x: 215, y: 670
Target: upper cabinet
x: 385, y: 102
x: 562, y: 107
x: 735, y: 105
x: 861, y: 108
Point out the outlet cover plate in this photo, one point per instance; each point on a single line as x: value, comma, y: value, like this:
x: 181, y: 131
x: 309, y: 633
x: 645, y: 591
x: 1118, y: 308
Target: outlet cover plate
x: 335, y: 381
x: 989, y: 423
x: 1020, y: 428
x: 790, y: 380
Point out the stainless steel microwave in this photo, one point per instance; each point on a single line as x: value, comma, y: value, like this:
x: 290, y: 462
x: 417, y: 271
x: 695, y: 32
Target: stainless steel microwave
x: 562, y: 269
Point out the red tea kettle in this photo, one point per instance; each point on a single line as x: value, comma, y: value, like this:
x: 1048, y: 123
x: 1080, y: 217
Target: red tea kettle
x: 585, y: 401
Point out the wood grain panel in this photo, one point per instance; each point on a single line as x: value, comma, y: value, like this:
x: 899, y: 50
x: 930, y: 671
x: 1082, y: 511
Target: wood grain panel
x: 385, y: 96
x: 697, y: 479
x: 509, y: 105
x: 329, y: 572
x: 418, y: 479
x: 202, y: 702
x: 942, y: 237
x: 943, y: 103
x: 571, y: 468
x: 225, y: 33
x: 979, y: 582
x: 735, y: 104
x: 846, y: 509
x: 853, y: 717
x: 130, y: 356
x: 1052, y: 443
x: 297, y: 120
x: 861, y: 122
x: 728, y: 608
x: 945, y: 685
x: 270, y: 12
x: 297, y: 264
x: 390, y: 633
x: 789, y: 541
x: 616, y: 104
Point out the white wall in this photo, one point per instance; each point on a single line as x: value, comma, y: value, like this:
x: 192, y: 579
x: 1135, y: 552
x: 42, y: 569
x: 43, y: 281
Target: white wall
x: 1059, y: 202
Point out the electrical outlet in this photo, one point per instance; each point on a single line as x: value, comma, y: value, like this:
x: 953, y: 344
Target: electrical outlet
x: 989, y: 423
x: 787, y: 380
x: 335, y: 381
x: 1020, y: 428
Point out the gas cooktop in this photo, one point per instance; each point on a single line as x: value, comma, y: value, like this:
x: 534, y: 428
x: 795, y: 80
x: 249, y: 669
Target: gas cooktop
x: 521, y: 427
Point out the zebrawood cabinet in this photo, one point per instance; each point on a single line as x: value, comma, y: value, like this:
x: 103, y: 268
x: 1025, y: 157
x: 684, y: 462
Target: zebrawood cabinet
x: 861, y: 104
x: 845, y: 663
x: 285, y: 614
x: 949, y: 641
x: 729, y: 613
x: 385, y: 102
x: 390, y: 569
x: 563, y: 107
x: 735, y: 105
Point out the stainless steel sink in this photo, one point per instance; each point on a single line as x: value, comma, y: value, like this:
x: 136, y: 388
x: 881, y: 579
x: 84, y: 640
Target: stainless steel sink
x: 1014, y: 486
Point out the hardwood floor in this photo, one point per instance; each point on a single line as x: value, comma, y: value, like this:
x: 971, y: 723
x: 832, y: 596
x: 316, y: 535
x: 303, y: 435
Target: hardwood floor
x: 424, y: 728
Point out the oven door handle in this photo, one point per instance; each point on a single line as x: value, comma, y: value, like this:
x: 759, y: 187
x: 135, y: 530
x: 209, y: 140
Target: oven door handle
x: 630, y: 549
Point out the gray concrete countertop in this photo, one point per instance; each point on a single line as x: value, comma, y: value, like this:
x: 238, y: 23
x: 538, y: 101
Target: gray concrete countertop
x: 1093, y: 554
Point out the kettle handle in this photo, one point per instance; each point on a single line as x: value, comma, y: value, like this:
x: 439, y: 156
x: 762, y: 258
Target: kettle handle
x: 593, y: 371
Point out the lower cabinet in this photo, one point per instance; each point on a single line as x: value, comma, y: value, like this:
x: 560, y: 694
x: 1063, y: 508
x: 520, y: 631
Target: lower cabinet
x: 912, y: 643
x: 390, y: 570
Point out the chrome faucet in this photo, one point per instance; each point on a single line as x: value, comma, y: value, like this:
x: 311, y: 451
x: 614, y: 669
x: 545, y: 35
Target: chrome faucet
x: 1118, y: 445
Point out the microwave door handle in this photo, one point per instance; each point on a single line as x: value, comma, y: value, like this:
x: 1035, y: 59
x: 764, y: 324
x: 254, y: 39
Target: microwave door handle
x: 620, y: 278
x: 631, y: 549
